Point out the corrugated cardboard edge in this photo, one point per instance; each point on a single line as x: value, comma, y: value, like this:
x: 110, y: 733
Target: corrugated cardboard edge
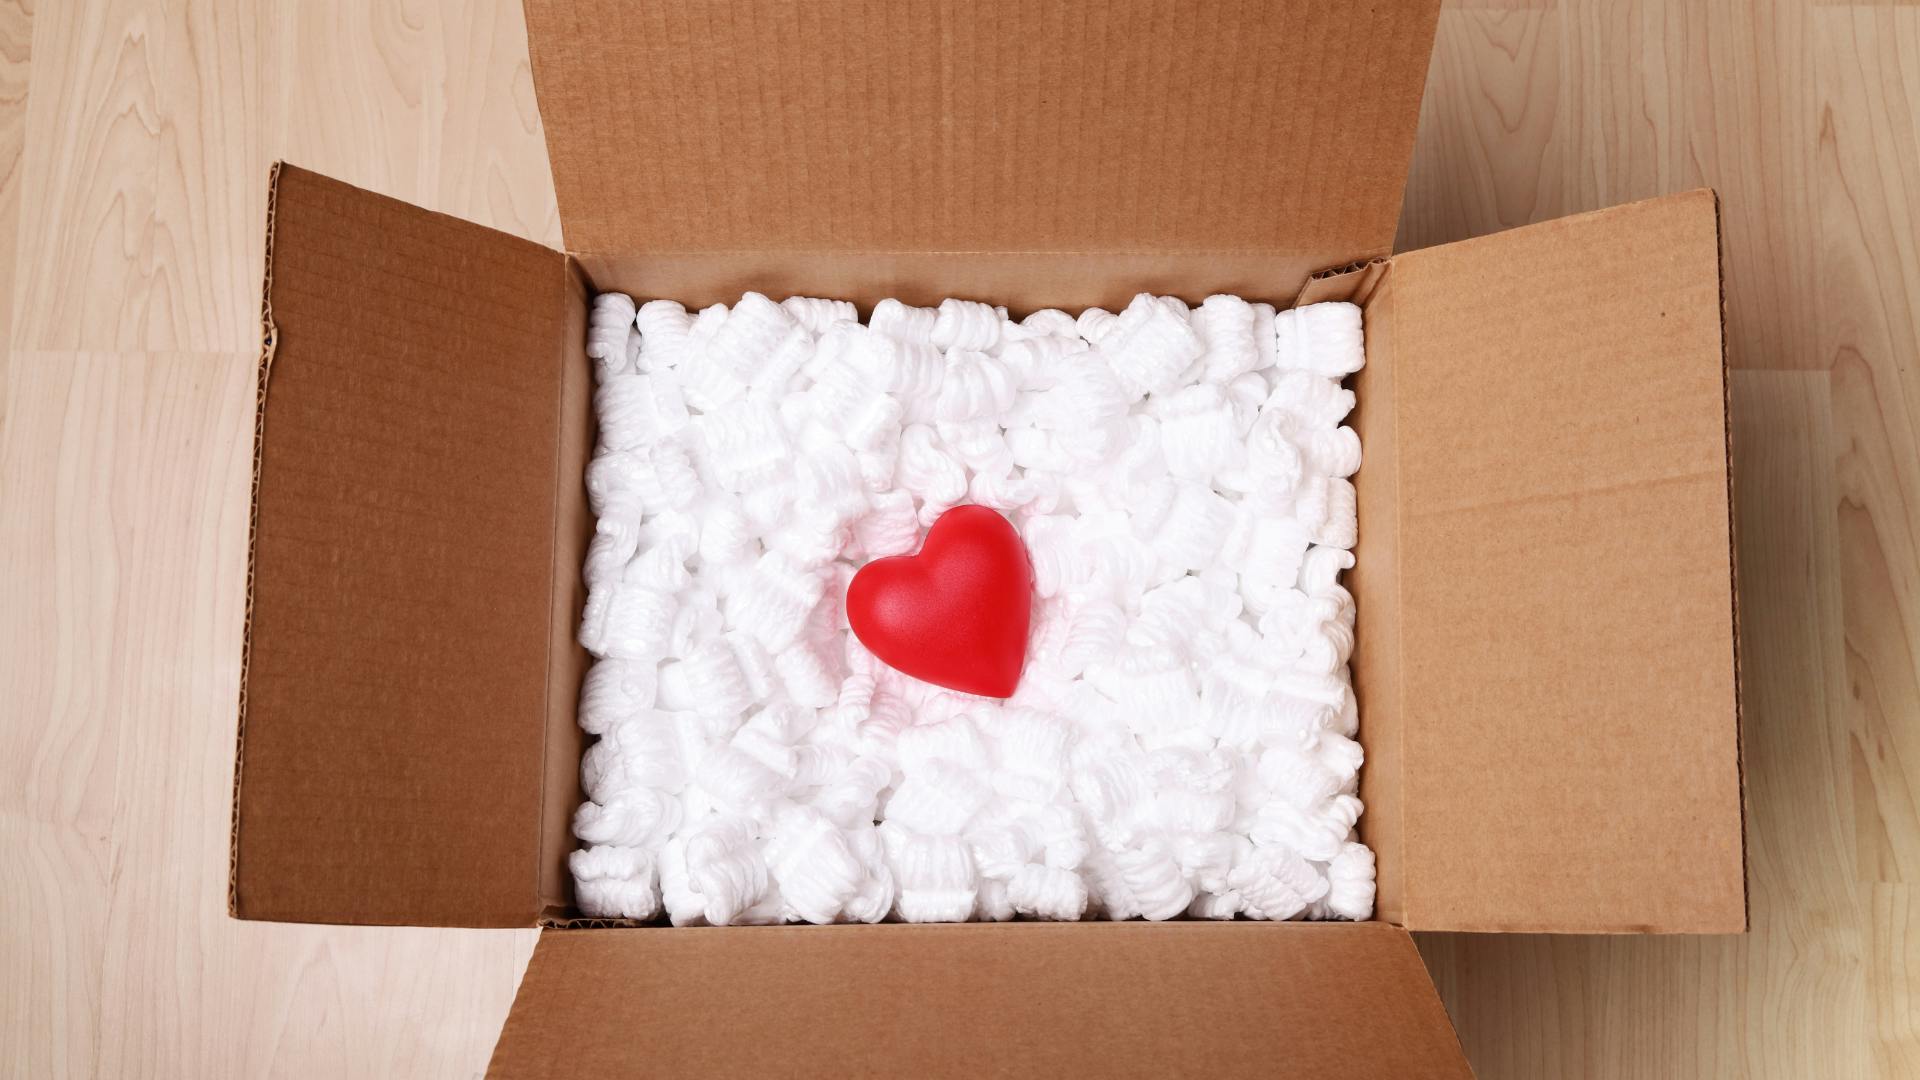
x: 1354, y: 283
x: 269, y: 338
x: 1733, y: 567
x: 554, y: 920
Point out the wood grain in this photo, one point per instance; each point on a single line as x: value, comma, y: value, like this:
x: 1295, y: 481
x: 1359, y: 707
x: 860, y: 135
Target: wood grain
x: 16, y: 53
x: 1804, y: 119
x: 1486, y: 156
x: 134, y: 141
x: 1781, y: 1000
x: 94, y: 120
x: 61, y: 756
x: 1534, y: 111
x: 443, y: 112
x: 123, y: 473
x: 1870, y: 330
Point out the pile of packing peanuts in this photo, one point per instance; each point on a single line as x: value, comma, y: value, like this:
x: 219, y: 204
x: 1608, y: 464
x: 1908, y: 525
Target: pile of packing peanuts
x: 1182, y: 738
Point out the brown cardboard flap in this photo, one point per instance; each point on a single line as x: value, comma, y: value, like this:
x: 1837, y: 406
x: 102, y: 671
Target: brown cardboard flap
x: 1550, y: 649
x: 872, y: 126
x: 396, y: 685
x: 1009, y: 1000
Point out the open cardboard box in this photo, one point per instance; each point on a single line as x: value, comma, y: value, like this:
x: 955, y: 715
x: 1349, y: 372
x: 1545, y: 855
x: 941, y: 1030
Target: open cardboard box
x: 1545, y: 659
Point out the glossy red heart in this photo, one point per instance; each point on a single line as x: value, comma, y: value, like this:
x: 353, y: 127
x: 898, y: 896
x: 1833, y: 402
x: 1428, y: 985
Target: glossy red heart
x: 956, y: 614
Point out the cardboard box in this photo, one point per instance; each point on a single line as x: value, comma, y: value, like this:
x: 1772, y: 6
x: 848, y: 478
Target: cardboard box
x: 1545, y: 658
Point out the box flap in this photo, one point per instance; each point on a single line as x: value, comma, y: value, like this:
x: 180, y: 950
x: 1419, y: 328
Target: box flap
x: 400, y: 627
x: 1012, y: 1000
x: 1546, y: 663
x: 716, y: 126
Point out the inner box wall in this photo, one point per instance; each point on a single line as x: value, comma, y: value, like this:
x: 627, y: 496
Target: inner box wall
x: 566, y: 660
x: 1374, y: 582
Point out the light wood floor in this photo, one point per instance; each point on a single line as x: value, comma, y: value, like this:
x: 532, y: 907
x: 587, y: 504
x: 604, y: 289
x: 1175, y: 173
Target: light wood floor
x: 134, y: 139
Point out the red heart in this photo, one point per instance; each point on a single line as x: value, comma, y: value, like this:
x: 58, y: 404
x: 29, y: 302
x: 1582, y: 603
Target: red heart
x: 956, y: 614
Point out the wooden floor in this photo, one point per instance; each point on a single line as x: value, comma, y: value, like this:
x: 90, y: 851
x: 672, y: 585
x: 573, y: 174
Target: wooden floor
x: 134, y: 139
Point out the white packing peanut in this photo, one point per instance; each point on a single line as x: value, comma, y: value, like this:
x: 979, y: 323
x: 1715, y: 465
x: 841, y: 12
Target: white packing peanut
x: 1182, y: 742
